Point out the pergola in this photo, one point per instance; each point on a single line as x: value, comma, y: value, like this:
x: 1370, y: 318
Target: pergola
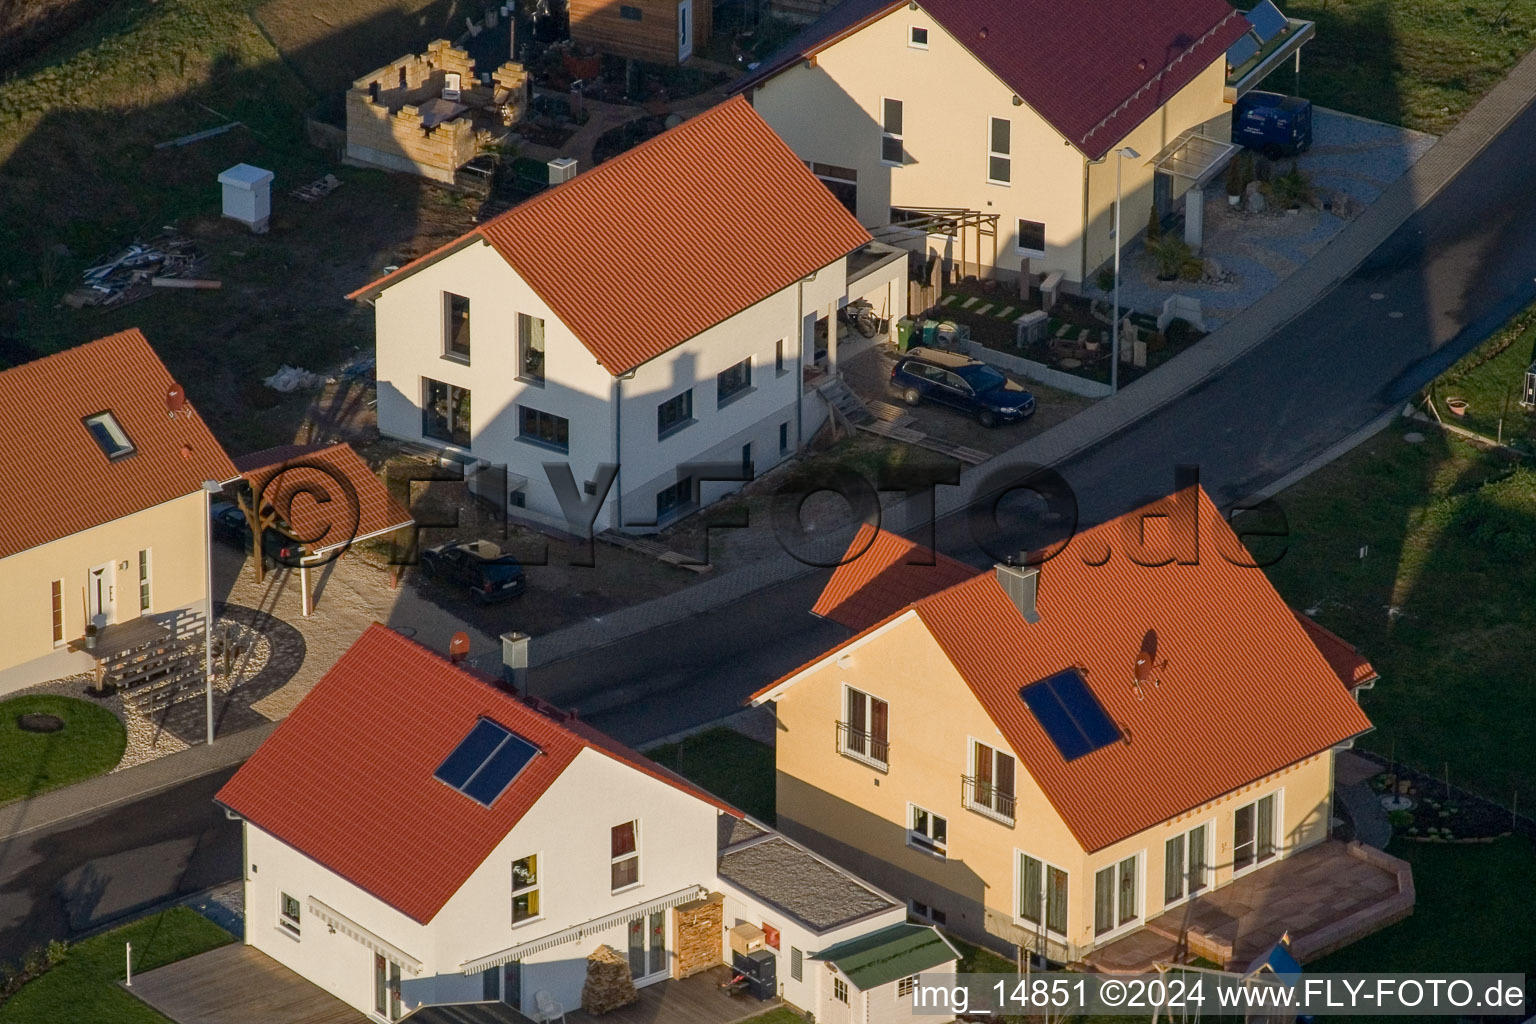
x: 326, y: 494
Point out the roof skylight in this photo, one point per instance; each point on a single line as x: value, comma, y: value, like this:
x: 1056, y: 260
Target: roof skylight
x: 109, y: 434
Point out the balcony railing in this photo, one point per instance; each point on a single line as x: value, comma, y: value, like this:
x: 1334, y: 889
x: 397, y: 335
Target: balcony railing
x: 984, y: 798
x: 863, y: 746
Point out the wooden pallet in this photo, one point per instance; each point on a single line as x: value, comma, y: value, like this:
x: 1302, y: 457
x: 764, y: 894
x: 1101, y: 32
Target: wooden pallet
x: 895, y: 415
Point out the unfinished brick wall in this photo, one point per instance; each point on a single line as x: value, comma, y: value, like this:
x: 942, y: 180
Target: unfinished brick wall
x: 384, y: 122
x: 699, y: 927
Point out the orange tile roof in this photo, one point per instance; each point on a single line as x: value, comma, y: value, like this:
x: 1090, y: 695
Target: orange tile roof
x: 1243, y: 690
x: 1351, y: 668
x: 300, y: 475
x: 643, y: 252
x: 388, y: 712
x: 891, y: 573
x: 58, y: 481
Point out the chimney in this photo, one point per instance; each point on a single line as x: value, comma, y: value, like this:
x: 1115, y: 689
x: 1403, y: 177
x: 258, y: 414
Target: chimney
x: 1022, y: 585
x: 514, y: 660
x: 561, y: 170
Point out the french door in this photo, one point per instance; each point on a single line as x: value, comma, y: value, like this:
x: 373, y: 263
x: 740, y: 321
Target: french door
x: 648, y: 946
x: 1253, y: 834
x: 1186, y: 864
x: 386, y: 987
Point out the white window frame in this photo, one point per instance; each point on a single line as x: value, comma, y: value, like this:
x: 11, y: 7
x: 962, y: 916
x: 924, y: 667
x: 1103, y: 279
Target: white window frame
x: 123, y: 445
x: 1210, y: 848
x: 912, y: 31
x: 842, y: 745
x: 58, y: 623
x: 1279, y: 854
x: 926, y: 842
x: 1045, y: 896
x: 285, y: 923
x: 1019, y: 248
x: 145, y: 576
x: 899, y: 137
x: 993, y: 154
x: 634, y: 855
x: 1121, y: 927
x: 970, y: 763
x: 537, y: 887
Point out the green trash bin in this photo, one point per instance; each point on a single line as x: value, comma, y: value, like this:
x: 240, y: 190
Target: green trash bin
x: 904, y: 334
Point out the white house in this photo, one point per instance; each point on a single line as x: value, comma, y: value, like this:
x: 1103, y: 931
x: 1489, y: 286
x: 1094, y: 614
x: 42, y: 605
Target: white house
x: 653, y: 314
x: 418, y: 835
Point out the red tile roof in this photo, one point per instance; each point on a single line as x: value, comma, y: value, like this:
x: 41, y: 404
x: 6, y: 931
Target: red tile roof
x: 1094, y: 69
x: 643, y: 252
x: 391, y: 710
x: 58, y: 480
x: 892, y: 572
x: 1242, y: 692
x: 299, y: 475
x: 1351, y: 668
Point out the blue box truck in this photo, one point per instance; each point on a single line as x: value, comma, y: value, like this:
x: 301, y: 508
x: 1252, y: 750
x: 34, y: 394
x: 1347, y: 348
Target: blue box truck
x: 1274, y: 125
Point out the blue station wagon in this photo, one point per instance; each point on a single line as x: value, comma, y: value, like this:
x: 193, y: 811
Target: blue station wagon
x: 960, y: 382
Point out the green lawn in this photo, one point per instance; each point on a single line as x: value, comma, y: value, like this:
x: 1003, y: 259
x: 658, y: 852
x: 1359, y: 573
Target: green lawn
x: 1418, y: 63
x: 732, y: 766
x: 1441, y: 604
x: 90, y: 743
x: 1491, y: 378
x: 781, y: 1015
x: 84, y: 987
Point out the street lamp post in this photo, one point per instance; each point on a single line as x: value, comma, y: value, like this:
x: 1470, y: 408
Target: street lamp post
x: 1124, y: 153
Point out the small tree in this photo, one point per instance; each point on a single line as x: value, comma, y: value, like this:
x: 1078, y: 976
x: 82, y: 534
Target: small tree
x: 1154, y: 226
x: 1235, y: 180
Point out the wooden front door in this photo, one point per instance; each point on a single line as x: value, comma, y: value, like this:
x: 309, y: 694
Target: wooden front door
x: 100, y: 596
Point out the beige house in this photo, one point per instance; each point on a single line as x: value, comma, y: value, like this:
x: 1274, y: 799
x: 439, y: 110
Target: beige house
x: 988, y: 133
x: 103, y: 518
x: 1110, y: 762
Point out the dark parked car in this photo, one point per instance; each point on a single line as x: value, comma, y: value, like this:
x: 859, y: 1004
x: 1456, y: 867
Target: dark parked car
x: 478, y: 565
x: 277, y: 543
x: 963, y: 383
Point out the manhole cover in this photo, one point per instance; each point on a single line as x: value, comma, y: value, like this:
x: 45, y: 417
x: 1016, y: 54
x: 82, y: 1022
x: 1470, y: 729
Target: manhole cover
x: 38, y: 722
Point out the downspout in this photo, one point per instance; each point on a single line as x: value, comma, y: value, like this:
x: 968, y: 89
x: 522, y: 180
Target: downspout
x: 800, y: 367
x: 1082, y: 238
x: 618, y: 449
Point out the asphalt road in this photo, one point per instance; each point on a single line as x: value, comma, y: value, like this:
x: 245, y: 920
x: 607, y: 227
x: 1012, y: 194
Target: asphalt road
x: 1455, y: 272
x: 84, y: 873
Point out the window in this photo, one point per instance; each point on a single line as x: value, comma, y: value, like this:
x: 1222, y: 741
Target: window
x: 109, y: 435
x: 999, y: 146
x: 746, y: 461
x: 1031, y: 238
x: 144, y: 580
x: 445, y: 412
x: 386, y: 987
x: 288, y: 913
x: 670, y: 500
x: 530, y: 348
x: 864, y: 733
x: 783, y: 437
x: 733, y: 381
x: 525, y: 889
x: 842, y: 182
x: 890, y: 132
x: 778, y: 357
x: 989, y: 789
x: 674, y: 414
x: 57, y: 594
x: 840, y: 990
x: 1114, y: 896
x: 1186, y: 864
x: 1042, y: 894
x: 455, y: 326
x: 917, y: 38
x: 544, y: 428
x: 927, y: 831
x: 625, y: 857
x: 629, y: 13
x: 796, y: 963
x: 1253, y: 833
x: 905, y: 986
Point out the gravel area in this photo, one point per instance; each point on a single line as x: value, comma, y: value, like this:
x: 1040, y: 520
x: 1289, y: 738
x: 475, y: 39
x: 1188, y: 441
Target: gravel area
x: 1248, y: 254
x: 224, y: 905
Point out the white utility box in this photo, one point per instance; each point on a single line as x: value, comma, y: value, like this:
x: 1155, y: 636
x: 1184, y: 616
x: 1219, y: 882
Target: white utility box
x: 248, y: 196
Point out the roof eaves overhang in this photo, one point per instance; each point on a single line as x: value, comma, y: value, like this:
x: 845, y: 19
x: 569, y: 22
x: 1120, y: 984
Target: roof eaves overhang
x: 376, y: 288
x: 1248, y: 76
x: 762, y: 76
x: 774, y: 690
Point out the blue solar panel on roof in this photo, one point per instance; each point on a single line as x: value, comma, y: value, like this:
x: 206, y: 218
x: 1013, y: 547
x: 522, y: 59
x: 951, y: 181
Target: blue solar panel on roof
x: 500, y: 769
x: 1267, y: 20
x: 1070, y: 714
x: 471, y: 753
x: 1242, y: 51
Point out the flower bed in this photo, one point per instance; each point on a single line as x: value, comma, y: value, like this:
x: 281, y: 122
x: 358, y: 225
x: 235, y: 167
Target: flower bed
x: 1442, y: 814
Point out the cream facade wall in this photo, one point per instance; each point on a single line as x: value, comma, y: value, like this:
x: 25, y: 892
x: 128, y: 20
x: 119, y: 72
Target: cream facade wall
x: 174, y: 533
x: 831, y: 112
x: 611, y: 420
x: 568, y: 828
x: 858, y: 815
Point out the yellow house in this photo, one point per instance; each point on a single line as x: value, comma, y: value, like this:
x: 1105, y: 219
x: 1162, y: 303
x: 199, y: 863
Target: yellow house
x: 1120, y: 756
x: 103, y: 516
x: 1005, y: 119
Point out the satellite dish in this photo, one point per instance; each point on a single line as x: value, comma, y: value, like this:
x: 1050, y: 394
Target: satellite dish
x: 1143, y: 668
x: 458, y: 647
x: 175, y: 399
